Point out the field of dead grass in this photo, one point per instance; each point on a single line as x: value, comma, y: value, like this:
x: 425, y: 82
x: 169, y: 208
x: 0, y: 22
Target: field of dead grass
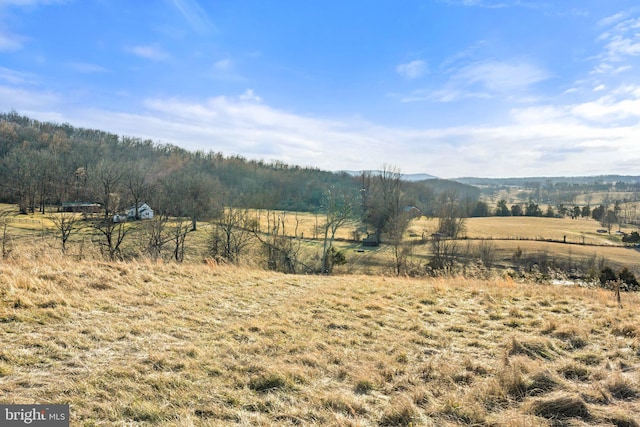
x: 522, y: 227
x: 139, y: 343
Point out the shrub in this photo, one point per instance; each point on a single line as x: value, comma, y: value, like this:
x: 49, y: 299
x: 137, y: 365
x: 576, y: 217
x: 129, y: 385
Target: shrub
x: 629, y: 279
x: 607, y: 275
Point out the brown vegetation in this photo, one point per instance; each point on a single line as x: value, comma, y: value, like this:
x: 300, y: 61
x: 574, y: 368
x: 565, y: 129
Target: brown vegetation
x: 146, y: 343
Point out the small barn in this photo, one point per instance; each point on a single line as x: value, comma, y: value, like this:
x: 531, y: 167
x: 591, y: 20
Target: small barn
x: 84, y: 207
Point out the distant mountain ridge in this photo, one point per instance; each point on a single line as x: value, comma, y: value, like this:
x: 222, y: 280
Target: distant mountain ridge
x: 519, y: 181
x: 411, y: 177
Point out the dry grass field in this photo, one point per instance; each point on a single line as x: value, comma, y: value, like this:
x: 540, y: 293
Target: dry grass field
x: 140, y: 343
x: 533, y: 237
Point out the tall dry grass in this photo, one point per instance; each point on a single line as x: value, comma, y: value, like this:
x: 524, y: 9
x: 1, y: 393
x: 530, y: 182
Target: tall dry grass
x: 141, y: 343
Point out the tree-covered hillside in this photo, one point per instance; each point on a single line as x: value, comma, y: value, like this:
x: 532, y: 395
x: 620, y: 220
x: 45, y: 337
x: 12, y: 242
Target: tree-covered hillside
x: 44, y: 165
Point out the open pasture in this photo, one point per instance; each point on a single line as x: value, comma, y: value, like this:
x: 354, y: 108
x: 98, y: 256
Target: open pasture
x: 575, y: 230
x: 141, y: 343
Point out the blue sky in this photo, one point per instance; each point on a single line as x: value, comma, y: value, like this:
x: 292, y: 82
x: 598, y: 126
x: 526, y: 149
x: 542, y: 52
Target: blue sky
x: 490, y: 88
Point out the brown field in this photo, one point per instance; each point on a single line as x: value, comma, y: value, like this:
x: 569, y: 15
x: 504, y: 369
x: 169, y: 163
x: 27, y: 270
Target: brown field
x: 139, y: 343
x: 534, y: 237
x: 532, y: 228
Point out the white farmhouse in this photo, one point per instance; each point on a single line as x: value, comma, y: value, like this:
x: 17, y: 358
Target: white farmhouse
x: 144, y: 211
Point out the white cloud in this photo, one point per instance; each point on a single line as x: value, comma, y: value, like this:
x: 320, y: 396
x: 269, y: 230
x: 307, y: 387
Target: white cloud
x: 27, y: 101
x: 573, y: 139
x: 15, y: 77
x: 413, y: 69
x: 248, y: 95
x: 501, y: 76
x: 225, y: 70
x: 85, y: 67
x: 622, y: 38
x: 478, y: 3
x: 9, y: 43
x: 153, y: 53
x: 194, y: 14
x: 223, y: 65
x: 484, y: 80
x: 23, y: 3
x: 616, y: 106
x: 610, y: 20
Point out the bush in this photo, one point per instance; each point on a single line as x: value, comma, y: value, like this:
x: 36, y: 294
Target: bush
x: 633, y: 237
x: 607, y: 275
x: 629, y: 279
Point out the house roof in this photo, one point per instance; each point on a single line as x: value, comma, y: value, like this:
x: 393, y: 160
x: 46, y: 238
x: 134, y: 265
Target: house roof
x: 140, y: 206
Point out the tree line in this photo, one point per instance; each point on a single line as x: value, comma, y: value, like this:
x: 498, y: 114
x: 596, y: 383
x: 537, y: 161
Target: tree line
x: 45, y: 165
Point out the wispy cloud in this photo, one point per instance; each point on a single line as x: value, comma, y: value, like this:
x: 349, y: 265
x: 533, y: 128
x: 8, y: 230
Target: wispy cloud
x: 610, y: 20
x: 85, y: 67
x: 496, y: 4
x: 151, y: 52
x: 479, y: 3
x: 30, y: 2
x: 223, y: 65
x: 413, y: 69
x: 501, y: 76
x: 482, y: 79
x: 16, y: 77
x: 622, y: 39
x: 194, y: 14
x: 10, y: 42
x: 225, y: 70
x: 28, y: 101
x: 587, y: 138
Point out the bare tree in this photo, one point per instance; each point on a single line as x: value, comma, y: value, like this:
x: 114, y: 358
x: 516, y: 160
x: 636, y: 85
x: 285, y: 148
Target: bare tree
x: 450, y: 215
x: 5, y: 238
x: 339, y: 210
x: 486, y: 253
x: 394, y: 232
x: 281, y: 251
x: 110, y: 237
x: 608, y: 219
x: 178, y: 233
x: 137, y: 185
x: 445, y: 254
x: 381, y: 198
x: 105, y: 179
x: 65, y: 223
x: 157, y: 235
x: 231, y: 234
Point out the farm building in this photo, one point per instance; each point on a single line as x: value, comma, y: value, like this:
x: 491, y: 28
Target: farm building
x: 84, y: 207
x: 144, y: 211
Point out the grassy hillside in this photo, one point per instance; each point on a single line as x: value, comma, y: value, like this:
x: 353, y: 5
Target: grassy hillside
x: 166, y: 344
